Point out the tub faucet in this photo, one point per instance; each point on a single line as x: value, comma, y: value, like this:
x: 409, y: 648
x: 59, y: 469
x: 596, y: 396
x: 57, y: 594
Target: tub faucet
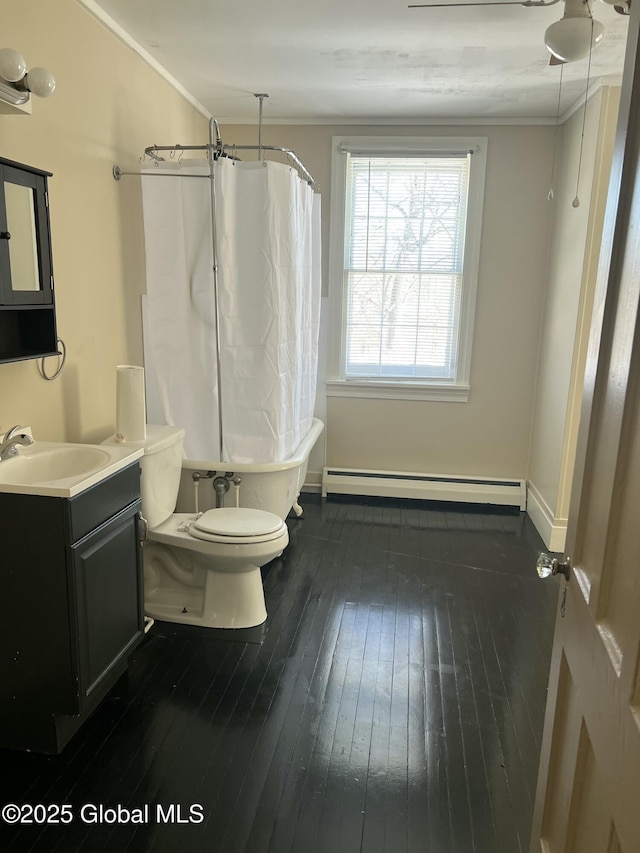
x: 11, y: 442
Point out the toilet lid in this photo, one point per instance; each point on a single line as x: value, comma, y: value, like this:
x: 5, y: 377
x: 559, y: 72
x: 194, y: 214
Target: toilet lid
x: 238, y: 522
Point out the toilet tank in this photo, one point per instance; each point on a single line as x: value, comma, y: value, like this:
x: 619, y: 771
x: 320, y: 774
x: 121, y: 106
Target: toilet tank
x: 160, y: 467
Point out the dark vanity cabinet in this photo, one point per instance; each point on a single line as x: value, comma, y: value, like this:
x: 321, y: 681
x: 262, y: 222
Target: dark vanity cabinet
x: 73, y: 606
x: 27, y: 305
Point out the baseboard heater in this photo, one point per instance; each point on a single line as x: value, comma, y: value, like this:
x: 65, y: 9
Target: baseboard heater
x: 430, y: 487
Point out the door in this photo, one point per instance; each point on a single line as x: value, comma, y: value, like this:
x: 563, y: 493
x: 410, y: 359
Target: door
x: 588, y: 798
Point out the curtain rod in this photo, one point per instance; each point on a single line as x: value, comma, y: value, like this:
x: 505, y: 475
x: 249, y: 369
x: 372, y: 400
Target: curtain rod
x: 219, y: 149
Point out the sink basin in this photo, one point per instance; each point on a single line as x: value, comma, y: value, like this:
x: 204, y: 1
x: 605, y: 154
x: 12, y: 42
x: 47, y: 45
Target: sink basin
x: 54, y: 463
x: 62, y: 469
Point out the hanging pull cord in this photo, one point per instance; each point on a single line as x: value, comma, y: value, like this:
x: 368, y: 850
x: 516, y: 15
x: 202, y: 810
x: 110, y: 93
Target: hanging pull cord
x: 576, y: 201
x: 555, y: 139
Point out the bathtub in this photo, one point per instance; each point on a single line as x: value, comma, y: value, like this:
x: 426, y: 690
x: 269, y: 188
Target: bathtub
x: 272, y: 486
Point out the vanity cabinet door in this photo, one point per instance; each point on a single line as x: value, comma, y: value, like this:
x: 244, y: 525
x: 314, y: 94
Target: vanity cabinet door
x: 107, y: 584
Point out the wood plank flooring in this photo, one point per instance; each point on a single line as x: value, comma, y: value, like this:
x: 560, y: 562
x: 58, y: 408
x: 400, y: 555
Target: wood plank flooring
x: 392, y: 702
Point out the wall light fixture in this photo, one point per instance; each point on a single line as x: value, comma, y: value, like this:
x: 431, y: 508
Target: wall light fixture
x: 17, y: 84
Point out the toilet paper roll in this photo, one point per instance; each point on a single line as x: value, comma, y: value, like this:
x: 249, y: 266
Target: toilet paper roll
x: 131, y: 414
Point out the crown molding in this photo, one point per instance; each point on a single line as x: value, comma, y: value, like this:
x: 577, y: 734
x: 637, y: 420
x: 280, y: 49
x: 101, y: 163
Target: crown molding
x: 146, y: 57
x: 594, y: 88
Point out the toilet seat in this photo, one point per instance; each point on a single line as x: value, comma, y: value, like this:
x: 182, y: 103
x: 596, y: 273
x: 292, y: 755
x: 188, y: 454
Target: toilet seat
x: 237, y: 526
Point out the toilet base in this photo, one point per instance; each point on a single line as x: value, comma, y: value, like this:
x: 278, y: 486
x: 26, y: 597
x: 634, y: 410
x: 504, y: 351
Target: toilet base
x: 213, y: 583
x: 227, y: 601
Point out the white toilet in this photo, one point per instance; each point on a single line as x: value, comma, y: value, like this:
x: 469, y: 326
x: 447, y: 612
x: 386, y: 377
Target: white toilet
x: 201, y: 569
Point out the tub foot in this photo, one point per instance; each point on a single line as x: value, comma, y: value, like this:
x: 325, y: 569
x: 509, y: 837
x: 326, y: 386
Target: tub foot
x: 297, y: 509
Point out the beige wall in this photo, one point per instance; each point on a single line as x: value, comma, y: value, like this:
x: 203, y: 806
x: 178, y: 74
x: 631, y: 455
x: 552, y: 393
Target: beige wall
x: 490, y: 434
x: 107, y: 107
x: 573, y: 259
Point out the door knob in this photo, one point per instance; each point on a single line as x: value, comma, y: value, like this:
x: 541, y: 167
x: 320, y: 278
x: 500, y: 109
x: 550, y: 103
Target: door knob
x: 547, y: 565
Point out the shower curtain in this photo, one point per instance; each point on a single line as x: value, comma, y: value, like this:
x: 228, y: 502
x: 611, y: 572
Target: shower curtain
x: 267, y: 226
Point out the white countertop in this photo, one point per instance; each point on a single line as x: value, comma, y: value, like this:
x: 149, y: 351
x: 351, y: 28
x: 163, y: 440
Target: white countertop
x: 63, y: 469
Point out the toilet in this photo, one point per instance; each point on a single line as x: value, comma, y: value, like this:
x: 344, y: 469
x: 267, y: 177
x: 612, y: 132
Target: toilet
x: 200, y: 569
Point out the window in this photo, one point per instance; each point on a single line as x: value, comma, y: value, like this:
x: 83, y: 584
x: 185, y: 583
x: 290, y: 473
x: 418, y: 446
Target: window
x: 404, y: 259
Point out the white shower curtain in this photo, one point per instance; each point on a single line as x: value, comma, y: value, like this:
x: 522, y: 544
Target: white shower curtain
x: 267, y: 227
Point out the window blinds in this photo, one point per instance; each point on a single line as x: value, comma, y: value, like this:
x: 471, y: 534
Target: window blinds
x: 405, y: 233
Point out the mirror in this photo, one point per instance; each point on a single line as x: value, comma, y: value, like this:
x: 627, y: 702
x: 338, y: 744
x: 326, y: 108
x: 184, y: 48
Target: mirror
x: 23, y: 246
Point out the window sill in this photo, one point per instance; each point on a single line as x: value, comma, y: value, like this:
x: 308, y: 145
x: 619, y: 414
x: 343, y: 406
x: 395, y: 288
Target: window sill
x: 375, y: 390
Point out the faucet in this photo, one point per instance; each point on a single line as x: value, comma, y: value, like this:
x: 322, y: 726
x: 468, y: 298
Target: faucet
x: 11, y: 442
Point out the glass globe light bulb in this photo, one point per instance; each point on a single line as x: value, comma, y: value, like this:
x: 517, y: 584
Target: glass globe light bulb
x: 41, y: 82
x: 12, y: 65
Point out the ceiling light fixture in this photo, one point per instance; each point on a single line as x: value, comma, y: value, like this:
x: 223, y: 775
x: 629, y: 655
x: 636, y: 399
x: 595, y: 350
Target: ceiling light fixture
x: 622, y: 7
x: 17, y: 84
x: 575, y: 34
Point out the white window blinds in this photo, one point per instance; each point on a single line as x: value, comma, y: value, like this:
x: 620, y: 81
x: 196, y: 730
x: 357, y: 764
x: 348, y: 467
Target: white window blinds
x: 404, y: 251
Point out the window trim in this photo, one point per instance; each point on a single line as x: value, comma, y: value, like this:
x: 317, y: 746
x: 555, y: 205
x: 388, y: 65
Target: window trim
x: 336, y: 384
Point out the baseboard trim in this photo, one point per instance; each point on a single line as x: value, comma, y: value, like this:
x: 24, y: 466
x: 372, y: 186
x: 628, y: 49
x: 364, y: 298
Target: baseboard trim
x: 552, y: 530
x: 313, y: 483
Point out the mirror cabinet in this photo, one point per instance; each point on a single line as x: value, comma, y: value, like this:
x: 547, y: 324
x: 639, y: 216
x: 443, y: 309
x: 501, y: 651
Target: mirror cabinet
x: 27, y: 305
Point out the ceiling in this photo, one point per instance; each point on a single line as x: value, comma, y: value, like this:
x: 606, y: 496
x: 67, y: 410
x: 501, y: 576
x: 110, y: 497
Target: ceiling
x: 344, y: 61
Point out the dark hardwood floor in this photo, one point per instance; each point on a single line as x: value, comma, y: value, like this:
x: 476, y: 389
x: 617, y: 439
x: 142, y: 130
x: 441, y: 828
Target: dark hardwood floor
x: 393, y: 701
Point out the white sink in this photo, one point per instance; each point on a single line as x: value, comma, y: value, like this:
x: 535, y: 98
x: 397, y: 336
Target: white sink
x: 38, y: 464
x: 62, y: 470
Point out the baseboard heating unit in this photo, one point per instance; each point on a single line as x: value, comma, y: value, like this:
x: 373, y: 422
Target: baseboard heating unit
x: 428, y: 487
